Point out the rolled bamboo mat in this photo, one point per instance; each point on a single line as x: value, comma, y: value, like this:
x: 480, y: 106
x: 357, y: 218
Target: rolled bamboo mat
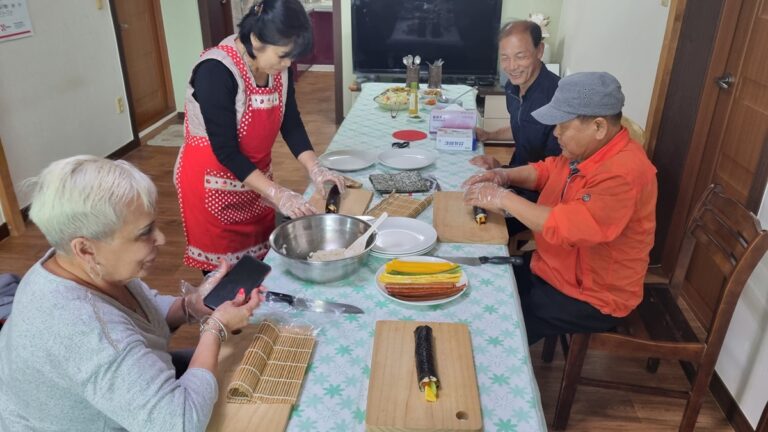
x: 273, y: 367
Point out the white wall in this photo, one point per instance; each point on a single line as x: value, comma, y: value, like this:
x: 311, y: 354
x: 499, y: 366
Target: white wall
x: 184, y: 40
x: 58, y: 88
x: 745, y: 350
x: 622, y: 37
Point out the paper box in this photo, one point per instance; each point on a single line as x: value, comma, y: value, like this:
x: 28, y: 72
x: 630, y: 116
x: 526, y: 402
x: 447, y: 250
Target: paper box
x: 452, y: 117
x: 455, y: 139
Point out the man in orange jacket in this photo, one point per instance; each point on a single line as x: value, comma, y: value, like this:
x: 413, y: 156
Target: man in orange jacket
x: 595, y: 217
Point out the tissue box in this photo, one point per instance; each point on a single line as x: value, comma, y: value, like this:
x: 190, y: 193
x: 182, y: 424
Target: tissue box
x: 452, y: 117
x: 455, y: 139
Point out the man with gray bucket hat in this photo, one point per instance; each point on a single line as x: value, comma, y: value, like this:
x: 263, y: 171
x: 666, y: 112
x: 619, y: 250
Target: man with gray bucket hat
x: 595, y: 217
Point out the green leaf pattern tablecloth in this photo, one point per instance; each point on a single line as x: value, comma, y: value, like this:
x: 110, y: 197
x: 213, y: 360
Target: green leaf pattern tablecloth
x: 335, y: 388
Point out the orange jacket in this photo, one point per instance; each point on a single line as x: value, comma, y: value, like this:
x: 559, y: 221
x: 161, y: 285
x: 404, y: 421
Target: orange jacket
x: 594, y: 245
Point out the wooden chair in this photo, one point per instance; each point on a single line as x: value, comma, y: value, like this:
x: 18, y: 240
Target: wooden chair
x: 733, y: 237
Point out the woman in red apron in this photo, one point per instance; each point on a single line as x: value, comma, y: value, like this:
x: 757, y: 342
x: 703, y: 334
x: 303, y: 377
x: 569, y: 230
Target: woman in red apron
x: 239, y: 97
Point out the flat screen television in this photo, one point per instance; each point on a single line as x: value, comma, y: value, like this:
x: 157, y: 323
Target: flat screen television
x: 461, y: 32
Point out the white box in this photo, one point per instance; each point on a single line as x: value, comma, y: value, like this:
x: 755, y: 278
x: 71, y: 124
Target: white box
x: 453, y: 117
x: 455, y: 139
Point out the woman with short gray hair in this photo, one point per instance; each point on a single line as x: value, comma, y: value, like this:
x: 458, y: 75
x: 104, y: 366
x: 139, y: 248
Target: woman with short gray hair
x: 85, y: 346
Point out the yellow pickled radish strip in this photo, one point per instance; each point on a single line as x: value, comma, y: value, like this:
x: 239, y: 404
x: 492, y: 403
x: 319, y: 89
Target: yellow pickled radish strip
x: 389, y: 278
x: 419, y: 267
x: 430, y: 392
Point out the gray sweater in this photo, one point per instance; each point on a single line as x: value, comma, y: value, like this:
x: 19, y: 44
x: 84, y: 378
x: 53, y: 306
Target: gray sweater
x: 72, y: 359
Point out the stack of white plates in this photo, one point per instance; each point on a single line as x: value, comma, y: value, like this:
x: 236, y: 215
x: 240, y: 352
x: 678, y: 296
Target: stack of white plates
x: 401, y: 236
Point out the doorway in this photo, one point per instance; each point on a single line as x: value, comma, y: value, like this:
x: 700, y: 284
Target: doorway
x: 141, y: 40
x: 215, y: 21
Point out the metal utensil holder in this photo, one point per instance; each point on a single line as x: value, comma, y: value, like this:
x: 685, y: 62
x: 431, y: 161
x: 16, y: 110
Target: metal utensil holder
x: 435, y: 76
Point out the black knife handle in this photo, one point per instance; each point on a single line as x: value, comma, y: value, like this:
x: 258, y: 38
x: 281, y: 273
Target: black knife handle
x: 514, y: 260
x: 277, y: 297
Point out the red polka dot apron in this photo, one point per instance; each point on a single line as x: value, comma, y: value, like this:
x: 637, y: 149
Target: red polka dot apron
x: 222, y: 218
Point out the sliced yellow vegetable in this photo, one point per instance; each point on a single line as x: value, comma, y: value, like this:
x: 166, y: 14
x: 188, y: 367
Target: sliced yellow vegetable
x: 414, y: 267
x: 430, y: 392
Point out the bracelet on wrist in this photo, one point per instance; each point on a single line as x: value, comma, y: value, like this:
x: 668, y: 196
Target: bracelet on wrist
x: 213, y: 325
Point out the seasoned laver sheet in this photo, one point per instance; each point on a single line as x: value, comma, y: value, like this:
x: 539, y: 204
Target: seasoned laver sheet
x: 273, y: 367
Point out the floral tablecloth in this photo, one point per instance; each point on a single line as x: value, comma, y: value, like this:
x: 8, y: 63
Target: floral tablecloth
x: 336, y: 385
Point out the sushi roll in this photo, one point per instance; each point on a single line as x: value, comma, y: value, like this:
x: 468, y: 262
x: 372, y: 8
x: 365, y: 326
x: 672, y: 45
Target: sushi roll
x: 480, y: 215
x: 425, y: 363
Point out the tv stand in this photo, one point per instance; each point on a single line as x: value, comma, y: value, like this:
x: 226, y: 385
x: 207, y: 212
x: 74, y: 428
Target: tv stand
x: 423, y: 78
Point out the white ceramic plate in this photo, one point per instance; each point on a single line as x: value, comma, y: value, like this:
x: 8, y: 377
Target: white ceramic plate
x: 463, y: 281
x: 407, y: 159
x: 347, y: 160
x: 402, y: 236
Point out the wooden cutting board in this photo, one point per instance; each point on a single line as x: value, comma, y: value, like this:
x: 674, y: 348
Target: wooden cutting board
x: 232, y: 417
x: 394, y: 400
x: 455, y: 222
x: 354, y: 202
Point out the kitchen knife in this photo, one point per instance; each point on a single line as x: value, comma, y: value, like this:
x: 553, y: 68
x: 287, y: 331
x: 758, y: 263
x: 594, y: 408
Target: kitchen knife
x: 302, y: 303
x: 333, y: 202
x: 476, y: 261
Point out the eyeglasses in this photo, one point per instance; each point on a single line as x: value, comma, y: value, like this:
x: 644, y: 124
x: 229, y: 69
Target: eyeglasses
x: 401, y: 144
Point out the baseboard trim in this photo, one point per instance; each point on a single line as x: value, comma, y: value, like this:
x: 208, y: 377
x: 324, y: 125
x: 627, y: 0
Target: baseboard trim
x: 117, y: 154
x: 728, y: 405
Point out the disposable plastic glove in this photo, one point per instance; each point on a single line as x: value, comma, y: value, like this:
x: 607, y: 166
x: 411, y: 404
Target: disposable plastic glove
x: 486, y: 195
x: 320, y: 175
x: 289, y: 202
x: 192, y: 296
x: 495, y: 176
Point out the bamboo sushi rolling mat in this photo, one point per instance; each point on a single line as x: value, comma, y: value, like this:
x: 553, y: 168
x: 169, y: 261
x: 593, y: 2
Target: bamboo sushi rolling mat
x: 400, y: 205
x: 273, y: 367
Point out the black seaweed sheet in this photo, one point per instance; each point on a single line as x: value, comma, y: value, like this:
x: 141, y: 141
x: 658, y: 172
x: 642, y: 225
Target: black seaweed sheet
x: 425, y: 361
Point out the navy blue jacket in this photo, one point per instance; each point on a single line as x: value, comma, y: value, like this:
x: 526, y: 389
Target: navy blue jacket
x: 533, y: 141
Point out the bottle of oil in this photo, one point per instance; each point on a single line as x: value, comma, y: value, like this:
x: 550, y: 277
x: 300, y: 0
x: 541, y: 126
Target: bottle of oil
x: 413, y: 101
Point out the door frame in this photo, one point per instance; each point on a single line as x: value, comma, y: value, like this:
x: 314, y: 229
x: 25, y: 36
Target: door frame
x: 338, y: 63
x: 124, y: 68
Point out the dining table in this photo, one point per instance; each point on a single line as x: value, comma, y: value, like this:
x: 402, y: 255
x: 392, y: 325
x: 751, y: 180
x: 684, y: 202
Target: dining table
x: 334, y: 393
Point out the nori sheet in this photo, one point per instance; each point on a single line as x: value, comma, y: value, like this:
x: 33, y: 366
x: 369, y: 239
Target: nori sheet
x: 425, y: 361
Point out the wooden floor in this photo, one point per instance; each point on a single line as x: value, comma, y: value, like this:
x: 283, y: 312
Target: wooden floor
x: 594, y: 410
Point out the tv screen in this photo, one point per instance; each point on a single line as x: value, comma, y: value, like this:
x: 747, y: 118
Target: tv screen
x: 461, y: 32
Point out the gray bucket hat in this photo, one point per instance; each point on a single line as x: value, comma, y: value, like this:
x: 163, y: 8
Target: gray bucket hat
x: 583, y: 93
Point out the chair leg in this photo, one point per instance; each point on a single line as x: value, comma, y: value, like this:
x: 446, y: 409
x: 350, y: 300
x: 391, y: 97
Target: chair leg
x: 652, y: 365
x: 698, y: 391
x: 571, y: 376
x: 564, y: 344
x: 548, y: 351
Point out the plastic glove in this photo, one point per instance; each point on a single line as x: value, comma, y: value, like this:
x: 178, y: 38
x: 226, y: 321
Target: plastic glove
x: 320, y: 175
x: 486, y: 195
x: 485, y: 162
x: 289, y: 202
x: 192, y: 296
x: 495, y: 176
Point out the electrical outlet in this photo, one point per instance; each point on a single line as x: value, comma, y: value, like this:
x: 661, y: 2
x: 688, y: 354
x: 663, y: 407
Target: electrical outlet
x: 119, y: 104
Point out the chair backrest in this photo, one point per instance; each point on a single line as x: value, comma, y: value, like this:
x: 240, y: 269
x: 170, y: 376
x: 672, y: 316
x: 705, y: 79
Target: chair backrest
x: 734, y: 240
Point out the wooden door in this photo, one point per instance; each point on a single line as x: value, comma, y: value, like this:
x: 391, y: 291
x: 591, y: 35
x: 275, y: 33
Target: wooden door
x: 215, y: 21
x: 735, y: 152
x: 145, y: 58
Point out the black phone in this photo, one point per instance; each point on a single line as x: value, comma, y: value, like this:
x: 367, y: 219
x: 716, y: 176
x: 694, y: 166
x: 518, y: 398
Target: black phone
x: 248, y: 274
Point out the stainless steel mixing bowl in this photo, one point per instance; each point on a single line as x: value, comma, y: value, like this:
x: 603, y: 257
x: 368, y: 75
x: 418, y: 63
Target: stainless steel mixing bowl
x: 296, y: 238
